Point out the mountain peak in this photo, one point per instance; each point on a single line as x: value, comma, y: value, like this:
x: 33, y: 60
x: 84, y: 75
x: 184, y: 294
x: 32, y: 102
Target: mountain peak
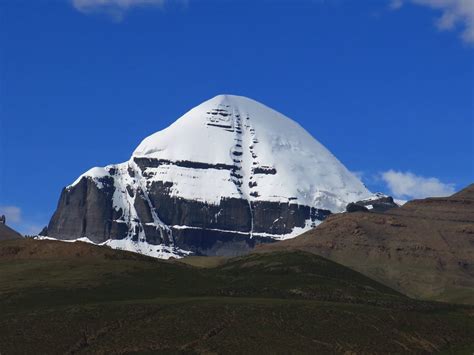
x: 234, y: 100
x: 239, y: 132
x: 231, y: 168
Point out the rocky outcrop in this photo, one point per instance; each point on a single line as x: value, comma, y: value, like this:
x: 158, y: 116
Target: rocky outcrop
x: 378, y: 203
x: 355, y: 207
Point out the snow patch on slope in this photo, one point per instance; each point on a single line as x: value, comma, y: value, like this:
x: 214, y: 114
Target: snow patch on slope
x: 94, y: 174
x: 295, y: 232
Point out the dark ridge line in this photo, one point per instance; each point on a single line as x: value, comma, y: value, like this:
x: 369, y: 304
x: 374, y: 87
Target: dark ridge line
x: 144, y: 163
x: 219, y: 125
x: 265, y: 171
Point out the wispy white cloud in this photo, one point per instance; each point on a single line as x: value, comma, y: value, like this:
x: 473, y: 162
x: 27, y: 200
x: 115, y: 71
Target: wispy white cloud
x: 408, y: 185
x: 15, y: 219
x: 12, y: 213
x: 358, y: 174
x: 114, y: 8
x: 396, y: 4
x: 454, y: 14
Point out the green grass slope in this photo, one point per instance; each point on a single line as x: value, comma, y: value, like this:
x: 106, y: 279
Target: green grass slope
x: 77, y: 298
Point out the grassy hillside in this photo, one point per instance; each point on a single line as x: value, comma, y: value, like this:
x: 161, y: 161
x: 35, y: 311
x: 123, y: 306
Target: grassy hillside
x: 77, y: 298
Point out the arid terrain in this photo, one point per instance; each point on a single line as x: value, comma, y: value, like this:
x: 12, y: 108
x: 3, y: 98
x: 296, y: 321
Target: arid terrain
x: 424, y: 249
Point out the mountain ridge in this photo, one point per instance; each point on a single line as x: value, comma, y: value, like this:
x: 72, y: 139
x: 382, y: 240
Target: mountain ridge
x: 423, y: 249
x: 229, y: 174
x: 7, y: 233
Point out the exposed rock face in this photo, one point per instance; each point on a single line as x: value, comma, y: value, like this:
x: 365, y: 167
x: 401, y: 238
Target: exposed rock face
x: 86, y: 210
x: 228, y: 175
x: 424, y: 248
x: 233, y: 227
x: 355, y: 207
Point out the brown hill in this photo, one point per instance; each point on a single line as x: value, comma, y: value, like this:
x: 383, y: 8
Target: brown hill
x: 6, y: 233
x: 424, y: 249
x: 30, y: 249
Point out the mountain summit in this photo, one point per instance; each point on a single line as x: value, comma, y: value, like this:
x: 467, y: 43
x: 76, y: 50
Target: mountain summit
x: 227, y: 175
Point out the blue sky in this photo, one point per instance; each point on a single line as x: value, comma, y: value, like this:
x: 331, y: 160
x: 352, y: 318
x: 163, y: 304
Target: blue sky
x: 386, y: 85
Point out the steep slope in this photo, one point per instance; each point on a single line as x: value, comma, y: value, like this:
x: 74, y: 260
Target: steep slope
x: 79, y: 298
x: 229, y: 174
x: 424, y: 249
x: 6, y: 233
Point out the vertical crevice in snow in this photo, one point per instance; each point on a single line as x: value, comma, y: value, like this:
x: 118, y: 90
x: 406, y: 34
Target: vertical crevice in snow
x: 251, y: 183
x: 236, y: 152
x: 238, y: 155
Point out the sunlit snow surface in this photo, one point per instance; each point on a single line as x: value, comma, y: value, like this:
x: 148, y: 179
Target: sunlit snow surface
x: 306, y: 172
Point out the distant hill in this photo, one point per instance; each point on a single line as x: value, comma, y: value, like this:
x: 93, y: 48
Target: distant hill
x: 7, y: 233
x: 275, y: 274
x: 31, y: 249
x: 424, y: 249
x: 58, y: 297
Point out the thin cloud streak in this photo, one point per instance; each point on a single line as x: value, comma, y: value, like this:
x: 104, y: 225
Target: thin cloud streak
x: 12, y: 213
x: 408, y: 185
x: 114, y: 8
x: 454, y: 14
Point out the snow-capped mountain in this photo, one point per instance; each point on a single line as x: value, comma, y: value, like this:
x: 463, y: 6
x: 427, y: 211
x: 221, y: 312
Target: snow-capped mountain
x: 227, y: 175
